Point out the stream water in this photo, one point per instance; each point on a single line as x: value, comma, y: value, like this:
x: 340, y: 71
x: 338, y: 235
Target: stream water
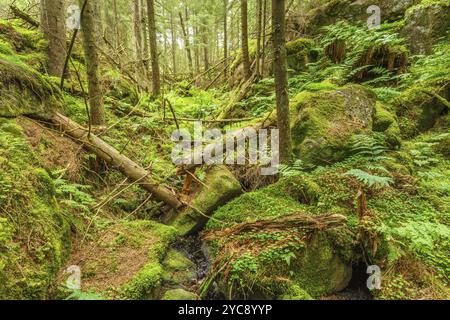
x: 194, y: 249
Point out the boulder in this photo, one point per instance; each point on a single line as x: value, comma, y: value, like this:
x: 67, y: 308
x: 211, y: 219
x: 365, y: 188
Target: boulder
x: 178, y: 269
x: 300, y: 52
x: 425, y: 24
x: 354, y: 11
x: 386, y: 122
x: 179, y: 294
x: 218, y: 187
x: 324, y: 122
x: 421, y: 106
x: 24, y: 91
x: 280, y: 262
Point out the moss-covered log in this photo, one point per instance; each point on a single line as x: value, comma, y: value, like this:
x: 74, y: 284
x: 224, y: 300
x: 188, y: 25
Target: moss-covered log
x: 106, y: 152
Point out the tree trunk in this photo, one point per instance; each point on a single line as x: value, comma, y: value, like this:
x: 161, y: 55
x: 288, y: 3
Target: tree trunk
x: 145, y: 45
x: 98, y: 21
x: 153, y: 47
x: 174, y: 44
x: 53, y: 27
x: 196, y: 50
x: 116, y: 25
x: 92, y: 64
x: 244, y: 33
x: 106, y: 152
x: 280, y: 73
x: 225, y: 36
x: 187, y: 44
x: 140, y: 69
x: 204, y: 31
x: 258, y: 38
x: 263, y: 50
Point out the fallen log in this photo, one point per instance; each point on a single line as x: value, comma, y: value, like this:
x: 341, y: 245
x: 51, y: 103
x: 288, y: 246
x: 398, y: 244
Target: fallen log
x: 109, y: 154
x: 24, y: 16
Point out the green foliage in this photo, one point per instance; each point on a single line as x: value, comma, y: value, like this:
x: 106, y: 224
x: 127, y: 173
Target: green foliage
x: 74, y: 195
x: 370, y: 180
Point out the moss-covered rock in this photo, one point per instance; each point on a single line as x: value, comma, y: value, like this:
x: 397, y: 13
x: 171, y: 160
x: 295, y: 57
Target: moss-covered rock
x: 324, y: 122
x: 179, y: 294
x: 219, y: 187
x: 35, y: 232
x: 277, y: 260
x: 178, y: 269
x: 425, y: 24
x: 386, y: 122
x: 353, y: 11
x: 25, y: 91
x: 300, y: 52
x: 421, y: 106
x: 294, y: 292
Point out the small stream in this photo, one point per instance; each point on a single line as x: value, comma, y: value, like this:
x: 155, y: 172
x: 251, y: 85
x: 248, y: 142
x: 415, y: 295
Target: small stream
x: 194, y: 249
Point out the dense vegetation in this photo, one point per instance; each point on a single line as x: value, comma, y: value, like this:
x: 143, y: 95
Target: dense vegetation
x: 365, y: 179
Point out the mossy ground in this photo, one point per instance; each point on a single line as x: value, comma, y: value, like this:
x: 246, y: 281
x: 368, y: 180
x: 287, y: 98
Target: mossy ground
x: 54, y: 196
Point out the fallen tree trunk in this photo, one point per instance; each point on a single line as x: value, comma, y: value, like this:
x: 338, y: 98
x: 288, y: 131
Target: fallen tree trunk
x: 109, y: 154
x: 24, y: 16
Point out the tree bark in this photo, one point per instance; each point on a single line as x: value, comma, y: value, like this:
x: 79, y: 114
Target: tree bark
x: 153, y: 47
x: 244, y: 34
x: 281, y: 84
x: 54, y: 29
x: 187, y: 44
x: 92, y: 64
x: 174, y: 44
x: 106, y: 152
x: 204, y: 31
x: 258, y: 38
x: 263, y: 50
x: 140, y: 68
x: 225, y: 36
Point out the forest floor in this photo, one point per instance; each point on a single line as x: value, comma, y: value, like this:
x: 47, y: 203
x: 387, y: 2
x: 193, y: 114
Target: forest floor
x: 370, y: 185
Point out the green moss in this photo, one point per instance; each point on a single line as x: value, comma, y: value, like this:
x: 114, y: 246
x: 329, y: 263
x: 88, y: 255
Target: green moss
x: 36, y: 231
x: 324, y: 122
x: 144, y: 285
x: 418, y: 109
x: 179, y: 294
x: 219, y: 187
x: 294, y: 292
x: 178, y: 269
x: 26, y: 91
x: 300, y: 52
x: 384, y: 121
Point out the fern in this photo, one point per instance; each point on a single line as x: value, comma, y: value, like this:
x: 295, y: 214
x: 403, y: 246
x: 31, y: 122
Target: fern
x: 289, y: 171
x: 74, y: 195
x: 370, y: 180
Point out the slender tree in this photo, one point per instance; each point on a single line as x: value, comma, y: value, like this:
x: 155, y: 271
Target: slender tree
x: 187, y: 43
x: 173, y: 34
x: 138, y: 39
x: 205, y: 43
x: 280, y: 74
x: 53, y: 27
x: 263, y: 49
x: 259, y: 10
x: 225, y: 35
x: 244, y: 34
x: 153, y: 47
x: 88, y: 28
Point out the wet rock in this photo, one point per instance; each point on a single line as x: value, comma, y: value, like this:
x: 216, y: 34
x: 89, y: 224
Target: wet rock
x: 219, y: 187
x: 325, y: 121
x: 425, y: 24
